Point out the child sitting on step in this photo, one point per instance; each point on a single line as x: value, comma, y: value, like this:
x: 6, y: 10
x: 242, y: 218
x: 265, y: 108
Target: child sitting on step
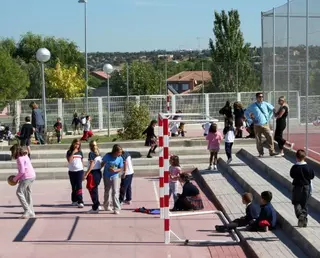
x: 302, y: 175
x: 252, y: 214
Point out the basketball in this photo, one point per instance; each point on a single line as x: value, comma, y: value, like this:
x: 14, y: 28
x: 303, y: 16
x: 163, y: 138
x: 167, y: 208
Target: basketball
x: 10, y: 180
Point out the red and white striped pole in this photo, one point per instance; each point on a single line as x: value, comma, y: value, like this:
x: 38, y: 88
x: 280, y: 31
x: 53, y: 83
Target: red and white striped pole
x: 161, y: 166
x: 168, y: 103
x: 166, y: 180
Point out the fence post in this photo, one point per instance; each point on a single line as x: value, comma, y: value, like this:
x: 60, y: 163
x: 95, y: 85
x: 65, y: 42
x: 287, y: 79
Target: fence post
x: 17, y: 115
x: 299, y: 107
x: 173, y: 104
x: 239, y: 96
x: 60, y: 109
x: 207, y: 105
x: 100, y: 113
x: 138, y: 100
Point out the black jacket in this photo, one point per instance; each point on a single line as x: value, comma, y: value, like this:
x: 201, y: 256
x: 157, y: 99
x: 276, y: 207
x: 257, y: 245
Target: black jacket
x: 149, y: 132
x: 302, y: 174
x: 252, y: 213
x: 26, y: 131
x: 189, y: 189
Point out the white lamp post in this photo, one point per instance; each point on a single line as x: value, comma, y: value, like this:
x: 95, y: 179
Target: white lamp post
x: 43, y: 55
x: 108, y: 68
x: 85, y: 50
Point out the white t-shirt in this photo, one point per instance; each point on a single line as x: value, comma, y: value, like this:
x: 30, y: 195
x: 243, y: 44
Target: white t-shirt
x: 87, y: 126
x: 76, y: 163
x: 229, y: 137
x: 127, y: 159
x: 174, y: 129
x: 97, y: 160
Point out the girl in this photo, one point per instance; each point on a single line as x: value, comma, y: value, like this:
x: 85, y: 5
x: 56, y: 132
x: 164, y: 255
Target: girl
x: 87, y: 133
x: 26, y: 176
x: 75, y: 166
x: 113, y: 164
x: 239, y: 118
x: 214, y: 139
x: 175, y: 171
x: 151, y: 139
x: 93, y: 175
x: 58, y: 129
x: 126, y: 179
x: 229, y: 136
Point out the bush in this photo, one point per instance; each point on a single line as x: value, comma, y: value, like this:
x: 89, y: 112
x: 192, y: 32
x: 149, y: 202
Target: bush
x: 136, y: 120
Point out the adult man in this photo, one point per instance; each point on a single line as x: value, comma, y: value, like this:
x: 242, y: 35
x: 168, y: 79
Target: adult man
x: 259, y: 113
x: 37, y: 122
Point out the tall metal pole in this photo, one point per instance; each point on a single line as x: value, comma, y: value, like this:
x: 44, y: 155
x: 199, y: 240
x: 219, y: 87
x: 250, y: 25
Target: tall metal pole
x: 274, y: 62
x: 307, y: 75
x: 108, y: 106
x: 203, y: 98
x: 128, y: 82
x: 262, y: 55
x: 44, y: 96
x: 288, y: 65
x: 86, y: 56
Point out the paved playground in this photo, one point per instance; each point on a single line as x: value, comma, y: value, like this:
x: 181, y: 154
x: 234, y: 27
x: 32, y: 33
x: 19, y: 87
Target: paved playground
x: 64, y: 231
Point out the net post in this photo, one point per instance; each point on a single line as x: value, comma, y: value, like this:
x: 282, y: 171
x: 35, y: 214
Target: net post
x: 161, y: 166
x: 168, y: 103
x: 166, y: 180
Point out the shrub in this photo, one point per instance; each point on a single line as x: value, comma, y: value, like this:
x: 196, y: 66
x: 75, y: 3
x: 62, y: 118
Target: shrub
x: 136, y: 120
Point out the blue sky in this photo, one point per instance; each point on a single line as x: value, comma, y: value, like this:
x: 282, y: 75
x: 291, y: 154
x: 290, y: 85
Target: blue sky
x: 129, y: 25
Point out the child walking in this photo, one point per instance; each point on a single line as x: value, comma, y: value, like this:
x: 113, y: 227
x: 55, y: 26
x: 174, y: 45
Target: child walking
x: 25, y: 135
x: 126, y: 179
x: 76, y: 124
x: 58, y: 129
x: 113, y: 164
x: 229, y: 136
x: 302, y: 175
x: 151, y: 139
x: 75, y: 166
x: 214, y: 139
x: 26, y: 176
x: 93, y: 175
x: 87, y: 133
x: 175, y: 171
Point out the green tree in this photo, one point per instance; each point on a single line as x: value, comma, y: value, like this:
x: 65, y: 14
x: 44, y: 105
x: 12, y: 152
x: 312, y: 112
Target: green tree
x: 9, y: 45
x: 14, y: 80
x: 231, y: 69
x: 118, y: 86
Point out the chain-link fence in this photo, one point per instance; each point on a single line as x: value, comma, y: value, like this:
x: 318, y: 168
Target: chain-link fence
x: 291, y: 63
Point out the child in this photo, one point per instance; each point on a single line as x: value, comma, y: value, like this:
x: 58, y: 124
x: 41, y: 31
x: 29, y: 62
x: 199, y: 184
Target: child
x: 151, y: 139
x: 181, y: 130
x: 214, y: 139
x: 93, y: 175
x: 25, y: 135
x: 267, y: 218
x: 174, y: 129
x: 206, y: 127
x: 26, y: 176
x: 126, y: 179
x: 113, y: 164
x: 251, y: 215
x: 175, y: 171
x: 229, y: 136
x: 76, y: 123
x: 87, y: 133
x: 75, y: 165
x: 83, y: 119
x: 58, y: 128
x: 302, y: 175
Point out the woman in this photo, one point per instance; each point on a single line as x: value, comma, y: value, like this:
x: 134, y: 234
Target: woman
x: 238, y: 117
x: 226, y: 111
x: 281, y: 116
x: 151, y: 139
x: 190, y: 198
x: 37, y: 121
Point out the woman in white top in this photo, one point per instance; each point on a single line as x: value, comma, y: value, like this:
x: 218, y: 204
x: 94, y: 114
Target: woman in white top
x: 126, y: 179
x: 93, y: 175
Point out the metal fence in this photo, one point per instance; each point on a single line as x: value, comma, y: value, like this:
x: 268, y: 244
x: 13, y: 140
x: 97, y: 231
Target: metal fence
x: 291, y: 62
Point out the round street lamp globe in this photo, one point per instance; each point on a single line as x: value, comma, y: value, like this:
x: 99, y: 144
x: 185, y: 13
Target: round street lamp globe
x: 108, y: 68
x: 43, y: 55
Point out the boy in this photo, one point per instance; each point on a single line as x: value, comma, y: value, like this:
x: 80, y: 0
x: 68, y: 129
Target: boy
x: 58, y: 128
x: 251, y: 215
x: 267, y: 218
x: 25, y: 134
x: 302, y: 175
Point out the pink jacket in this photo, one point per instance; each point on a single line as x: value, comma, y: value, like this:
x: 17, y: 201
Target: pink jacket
x: 25, y: 169
x: 214, y: 140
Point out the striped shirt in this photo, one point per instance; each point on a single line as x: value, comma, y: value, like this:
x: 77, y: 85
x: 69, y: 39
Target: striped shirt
x: 76, y: 163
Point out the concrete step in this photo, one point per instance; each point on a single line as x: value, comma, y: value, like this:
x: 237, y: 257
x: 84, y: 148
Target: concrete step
x: 53, y: 173
x: 225, y: 193
x: 308, y: 239
x: 278, y: 169
x: 143, y: 161
x: 179, y: 142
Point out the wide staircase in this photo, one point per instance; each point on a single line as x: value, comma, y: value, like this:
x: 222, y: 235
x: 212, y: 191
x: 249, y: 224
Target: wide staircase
x: 249, y: 173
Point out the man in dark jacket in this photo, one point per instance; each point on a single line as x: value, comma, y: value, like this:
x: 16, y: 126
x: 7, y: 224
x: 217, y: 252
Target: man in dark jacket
x: 37, y: 122
x: 252, y: 214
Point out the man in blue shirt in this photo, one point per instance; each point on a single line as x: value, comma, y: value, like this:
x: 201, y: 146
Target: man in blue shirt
x: 259, y: 113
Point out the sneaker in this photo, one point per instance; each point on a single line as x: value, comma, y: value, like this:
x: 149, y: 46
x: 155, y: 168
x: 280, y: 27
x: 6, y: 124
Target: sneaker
x: 149, y: 156
x: 93, y: 211
x: 127, y: 202
x: 210, y: 167
x: 229, y: 161
x: 100, y: 208
x: 291, y: 146
x: 116, y: 212
x: 25, y: 215
x: 260, y: 155
x: 265, y: 229
x: 215, y: 168
x: 301, y: 221
x: 272, y: 154
x: 280, y: 155
x: 74, y: 204
x: 305, y: 224
x: 80, y: 205
x: 32, y: 215
x: 107, y: 209
x: 221, y: 229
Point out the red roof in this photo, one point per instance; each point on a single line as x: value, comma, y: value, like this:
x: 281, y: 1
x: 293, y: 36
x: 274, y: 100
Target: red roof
x: 100, y: 74
x: 190, y: 75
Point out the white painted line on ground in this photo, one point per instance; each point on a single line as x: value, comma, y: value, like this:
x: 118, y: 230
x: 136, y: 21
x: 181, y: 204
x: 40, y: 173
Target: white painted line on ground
x: 155, y: 188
